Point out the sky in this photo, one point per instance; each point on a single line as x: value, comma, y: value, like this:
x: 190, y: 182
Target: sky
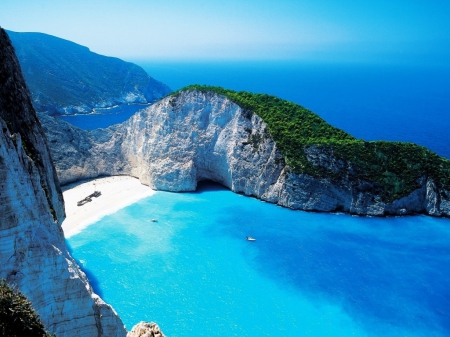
x: 322, y: 30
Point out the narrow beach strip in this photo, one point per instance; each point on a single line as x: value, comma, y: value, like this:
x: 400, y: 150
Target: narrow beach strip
x: 116, y: 193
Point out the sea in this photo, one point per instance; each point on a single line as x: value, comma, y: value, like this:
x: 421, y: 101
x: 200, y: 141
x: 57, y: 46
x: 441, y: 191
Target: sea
x: 104, y: 117
x: 307, y: 274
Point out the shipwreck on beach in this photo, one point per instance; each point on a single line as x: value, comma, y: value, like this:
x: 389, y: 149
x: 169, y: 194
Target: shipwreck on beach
x: 96, y: 194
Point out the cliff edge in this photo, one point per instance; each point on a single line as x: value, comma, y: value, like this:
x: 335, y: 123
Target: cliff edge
x: 33, y: 254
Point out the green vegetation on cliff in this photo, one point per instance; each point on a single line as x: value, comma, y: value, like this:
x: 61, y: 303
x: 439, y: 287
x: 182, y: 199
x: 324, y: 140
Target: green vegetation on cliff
x: 17, y: 316
x: 393, y: 169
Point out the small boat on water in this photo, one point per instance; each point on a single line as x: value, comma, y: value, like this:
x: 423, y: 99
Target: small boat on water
x: 154, y: 220
x: 249, y: 238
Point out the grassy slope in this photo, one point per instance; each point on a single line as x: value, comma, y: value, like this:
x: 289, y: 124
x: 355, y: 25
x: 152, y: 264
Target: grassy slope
x: 394, y: 168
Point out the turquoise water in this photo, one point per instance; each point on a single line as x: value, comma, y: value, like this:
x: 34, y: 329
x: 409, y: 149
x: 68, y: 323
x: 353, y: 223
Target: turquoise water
x: 308, y: 274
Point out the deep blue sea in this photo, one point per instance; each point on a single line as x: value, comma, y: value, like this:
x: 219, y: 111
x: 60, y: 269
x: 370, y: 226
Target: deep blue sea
x: 307, y: 274
x: 372, y: 102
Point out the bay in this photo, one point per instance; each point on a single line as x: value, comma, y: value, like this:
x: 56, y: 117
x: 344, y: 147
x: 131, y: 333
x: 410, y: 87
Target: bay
x: 307, y: 274
x: 311, y: 274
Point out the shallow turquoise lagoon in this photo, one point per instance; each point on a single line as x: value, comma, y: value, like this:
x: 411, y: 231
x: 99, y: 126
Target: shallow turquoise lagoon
x: 307, y: 274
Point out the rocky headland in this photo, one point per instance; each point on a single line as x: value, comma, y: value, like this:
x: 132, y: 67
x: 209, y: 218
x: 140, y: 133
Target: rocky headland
x: 33, y: 253
x: 202, y: 134
x: 66, y: 78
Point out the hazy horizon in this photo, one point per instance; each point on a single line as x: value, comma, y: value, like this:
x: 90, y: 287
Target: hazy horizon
x: 372, y: 32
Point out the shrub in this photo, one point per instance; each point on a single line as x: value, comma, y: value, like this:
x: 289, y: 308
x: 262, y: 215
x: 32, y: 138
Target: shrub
x: 17, y: 316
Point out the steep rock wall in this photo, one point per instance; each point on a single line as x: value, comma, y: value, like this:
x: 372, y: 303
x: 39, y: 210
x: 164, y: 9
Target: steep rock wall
x: 33, y: 254
x: 196, y: 136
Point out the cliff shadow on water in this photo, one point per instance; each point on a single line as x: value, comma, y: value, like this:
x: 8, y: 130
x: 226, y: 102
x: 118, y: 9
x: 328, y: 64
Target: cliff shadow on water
x: 93, y: 280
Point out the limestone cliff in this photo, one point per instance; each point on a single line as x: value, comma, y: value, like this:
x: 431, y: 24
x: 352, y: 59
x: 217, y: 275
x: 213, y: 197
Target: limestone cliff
x: 33, y: 254
x: 197, y: 135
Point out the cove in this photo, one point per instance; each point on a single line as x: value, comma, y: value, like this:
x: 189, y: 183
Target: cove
x: 307, y: 274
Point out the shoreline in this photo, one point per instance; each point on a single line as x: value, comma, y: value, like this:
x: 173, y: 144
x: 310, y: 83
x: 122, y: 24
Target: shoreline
x: 117, y: 192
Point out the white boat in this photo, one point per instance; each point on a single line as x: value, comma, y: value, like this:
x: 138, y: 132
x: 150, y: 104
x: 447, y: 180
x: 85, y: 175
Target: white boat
x: 154, y: 220
x: 249, y: 238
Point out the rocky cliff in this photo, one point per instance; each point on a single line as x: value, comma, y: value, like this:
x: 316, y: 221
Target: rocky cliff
x: 66, y: 78
x: 33, y: 254
x: 199, y: 135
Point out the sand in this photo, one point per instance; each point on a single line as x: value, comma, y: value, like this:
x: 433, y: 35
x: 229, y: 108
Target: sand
x: 116, y: 193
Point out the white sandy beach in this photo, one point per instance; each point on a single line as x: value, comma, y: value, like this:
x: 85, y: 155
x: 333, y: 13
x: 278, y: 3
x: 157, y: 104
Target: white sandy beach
x: 116, y: 193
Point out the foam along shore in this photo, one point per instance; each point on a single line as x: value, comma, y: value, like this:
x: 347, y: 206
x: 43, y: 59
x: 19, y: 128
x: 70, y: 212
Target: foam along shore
x: 116, y: 193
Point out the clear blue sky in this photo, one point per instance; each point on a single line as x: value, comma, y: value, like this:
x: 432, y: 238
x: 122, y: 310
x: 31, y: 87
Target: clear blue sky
x: 328, y: 30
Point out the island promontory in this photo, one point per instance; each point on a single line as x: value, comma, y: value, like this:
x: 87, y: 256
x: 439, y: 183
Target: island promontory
x: 260, y: 146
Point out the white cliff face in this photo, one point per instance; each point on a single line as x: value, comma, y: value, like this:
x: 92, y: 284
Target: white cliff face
x: 80, y: 154
x: 33, y: 254
x: 180, y: 141
x: 196, y: 136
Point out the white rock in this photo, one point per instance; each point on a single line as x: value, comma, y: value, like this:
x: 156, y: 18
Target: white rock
x: 144, y: 329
